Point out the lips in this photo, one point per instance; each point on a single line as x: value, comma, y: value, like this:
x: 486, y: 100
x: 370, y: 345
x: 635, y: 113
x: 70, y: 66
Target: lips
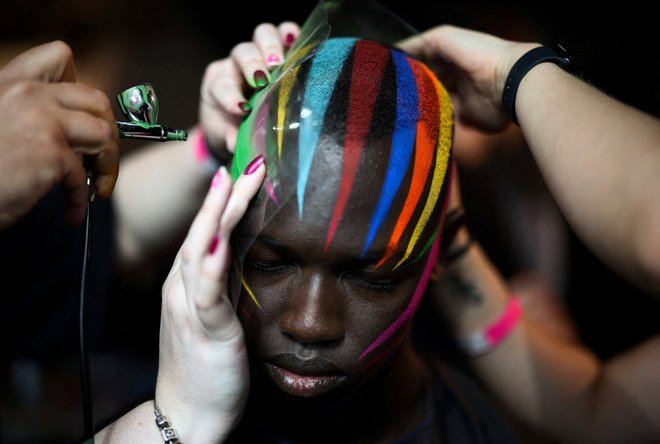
x: 304, y: 377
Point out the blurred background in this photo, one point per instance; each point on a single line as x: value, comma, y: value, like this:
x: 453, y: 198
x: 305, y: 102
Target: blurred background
x: 120, y: 43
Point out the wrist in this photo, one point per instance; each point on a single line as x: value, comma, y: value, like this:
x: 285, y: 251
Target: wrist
x: 190, y: 424
x: 486, y: 339
x: 205, y: 154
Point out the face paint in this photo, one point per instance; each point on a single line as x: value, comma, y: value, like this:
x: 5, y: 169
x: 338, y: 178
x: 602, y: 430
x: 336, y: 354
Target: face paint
x: 358, y: 142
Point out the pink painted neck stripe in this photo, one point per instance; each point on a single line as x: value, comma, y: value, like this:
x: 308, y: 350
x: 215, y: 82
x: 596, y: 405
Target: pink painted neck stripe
x: 412, y: 306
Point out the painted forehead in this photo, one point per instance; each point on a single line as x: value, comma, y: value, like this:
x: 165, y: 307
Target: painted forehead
x: 357, y: 96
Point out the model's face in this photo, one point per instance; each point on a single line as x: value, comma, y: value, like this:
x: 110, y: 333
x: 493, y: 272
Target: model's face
x: 322, y: 320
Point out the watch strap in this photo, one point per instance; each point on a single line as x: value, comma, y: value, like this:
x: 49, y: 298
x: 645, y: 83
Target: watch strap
x: 555, y: 53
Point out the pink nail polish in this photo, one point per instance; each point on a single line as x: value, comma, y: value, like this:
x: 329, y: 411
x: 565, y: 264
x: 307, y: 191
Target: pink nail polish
x: 290, y: 38
x: 273, y: 60
x: 214, y: 244
x: 217, y: 180
x: 256, y: 163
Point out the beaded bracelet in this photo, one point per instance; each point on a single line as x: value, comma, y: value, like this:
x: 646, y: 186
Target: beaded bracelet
x: 487, y: 339
x: 169, y: 434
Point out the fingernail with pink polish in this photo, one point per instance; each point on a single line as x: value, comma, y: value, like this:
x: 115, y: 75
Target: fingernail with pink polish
x: 290, y: 38
x: 214, y: 244
x: 256, y: 163
x: 217, y: 180
x: 273, y: 60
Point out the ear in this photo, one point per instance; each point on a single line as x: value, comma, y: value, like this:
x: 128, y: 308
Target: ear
x: 454, y: 221
x: 437, y: 272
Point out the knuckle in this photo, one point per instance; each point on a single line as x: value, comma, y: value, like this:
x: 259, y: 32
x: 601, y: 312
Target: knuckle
x: 263, y: 28
x: 61, y: 50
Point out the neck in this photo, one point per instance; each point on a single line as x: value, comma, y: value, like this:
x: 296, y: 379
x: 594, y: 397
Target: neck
x: 372, y: 413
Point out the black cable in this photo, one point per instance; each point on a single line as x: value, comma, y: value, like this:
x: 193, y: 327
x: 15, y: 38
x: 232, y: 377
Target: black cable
x: 85, y: 380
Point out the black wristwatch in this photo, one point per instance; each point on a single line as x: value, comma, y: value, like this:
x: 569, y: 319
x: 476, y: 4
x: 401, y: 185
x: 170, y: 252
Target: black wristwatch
x: 555, y: 53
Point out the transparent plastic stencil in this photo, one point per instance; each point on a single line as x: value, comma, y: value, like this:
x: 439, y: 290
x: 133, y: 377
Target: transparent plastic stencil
x: 279, y: 114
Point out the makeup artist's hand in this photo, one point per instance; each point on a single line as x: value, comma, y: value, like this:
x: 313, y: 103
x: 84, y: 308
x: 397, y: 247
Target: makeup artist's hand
x: 47, y: 121
x: 203, y: 376
x: 228, y: 83
x: 473, y: 66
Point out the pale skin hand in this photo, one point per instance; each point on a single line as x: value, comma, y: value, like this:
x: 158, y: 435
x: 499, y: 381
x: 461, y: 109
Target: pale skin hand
x: 203, y: 376
x: 599, y: 157
x: 145, y: 216
x: 473, y: 66
x: 47, y: 122
x: 228, y: 82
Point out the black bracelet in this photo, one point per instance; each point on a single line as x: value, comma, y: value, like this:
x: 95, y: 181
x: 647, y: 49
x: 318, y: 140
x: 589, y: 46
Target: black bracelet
x: 554, y: 53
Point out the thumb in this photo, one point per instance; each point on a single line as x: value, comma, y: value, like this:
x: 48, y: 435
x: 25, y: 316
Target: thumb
x: 50, y: 62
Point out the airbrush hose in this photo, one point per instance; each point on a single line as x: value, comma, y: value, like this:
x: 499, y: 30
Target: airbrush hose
x: 139, y: 105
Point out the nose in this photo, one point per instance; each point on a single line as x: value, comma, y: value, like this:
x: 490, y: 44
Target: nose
x: 314, y: 312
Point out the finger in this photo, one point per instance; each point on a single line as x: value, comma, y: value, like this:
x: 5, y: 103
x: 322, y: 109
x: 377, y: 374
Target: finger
x: 289, y: 32
x: 222, y: 88
x: 250, y: 61
x: 205, y: 225
x: 245, y: 189
x: 267, y: 38
x: 74, y: 185
x: 212, y: 306
x: 85, y: 131
x: 105, y: 168
x: 50, y: 62
x: 77, y: 96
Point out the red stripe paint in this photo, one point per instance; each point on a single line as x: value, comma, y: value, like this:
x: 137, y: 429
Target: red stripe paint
x: 369, y: 61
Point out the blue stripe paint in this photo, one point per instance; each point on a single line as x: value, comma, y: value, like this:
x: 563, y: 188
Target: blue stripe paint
x: 403, y: 140
x: 321, y: 80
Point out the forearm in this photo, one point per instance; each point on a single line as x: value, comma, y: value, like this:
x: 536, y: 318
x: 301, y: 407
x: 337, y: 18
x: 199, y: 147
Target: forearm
x: 601, y: 159
x: 533, y: 375
x: 159, y: 190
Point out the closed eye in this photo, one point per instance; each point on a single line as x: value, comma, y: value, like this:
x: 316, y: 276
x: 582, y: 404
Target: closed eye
x: 267, y: 267
x: 373, y: 284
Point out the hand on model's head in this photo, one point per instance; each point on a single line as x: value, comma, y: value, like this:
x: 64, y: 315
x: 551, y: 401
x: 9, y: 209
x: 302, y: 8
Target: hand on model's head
x: 228, y: 83
x: 47, y: 122
x: 474, y: 66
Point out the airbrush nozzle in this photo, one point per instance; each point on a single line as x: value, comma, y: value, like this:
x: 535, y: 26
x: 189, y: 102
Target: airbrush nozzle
x: 139, y: 105
x: 161, y: 133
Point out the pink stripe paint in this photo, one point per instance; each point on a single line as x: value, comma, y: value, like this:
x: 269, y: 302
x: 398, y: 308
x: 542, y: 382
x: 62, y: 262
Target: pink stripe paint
x: 412, y: 306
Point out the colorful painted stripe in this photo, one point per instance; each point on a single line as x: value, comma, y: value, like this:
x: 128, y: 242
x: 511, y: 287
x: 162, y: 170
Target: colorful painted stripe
x: 441, y: 160
x: 427, y: 130
x: 370, y: 60
x: 403, y: 141
x: 321, y: 81
x: 412, y: 306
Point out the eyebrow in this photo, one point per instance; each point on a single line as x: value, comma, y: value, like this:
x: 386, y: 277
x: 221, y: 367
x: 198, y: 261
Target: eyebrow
x: 365, y: 260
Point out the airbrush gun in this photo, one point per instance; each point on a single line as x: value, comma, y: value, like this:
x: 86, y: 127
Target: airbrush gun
x: 139, y: 105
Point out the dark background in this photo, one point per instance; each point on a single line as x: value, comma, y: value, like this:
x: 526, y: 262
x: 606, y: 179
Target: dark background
x: 170, y: 42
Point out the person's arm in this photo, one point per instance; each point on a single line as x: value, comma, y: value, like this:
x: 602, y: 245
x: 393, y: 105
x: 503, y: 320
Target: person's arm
x: 47, y: 121
x: 161, y: 185
x: 203, y: 375
x: 599, y: 156
x: 556, y: 388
